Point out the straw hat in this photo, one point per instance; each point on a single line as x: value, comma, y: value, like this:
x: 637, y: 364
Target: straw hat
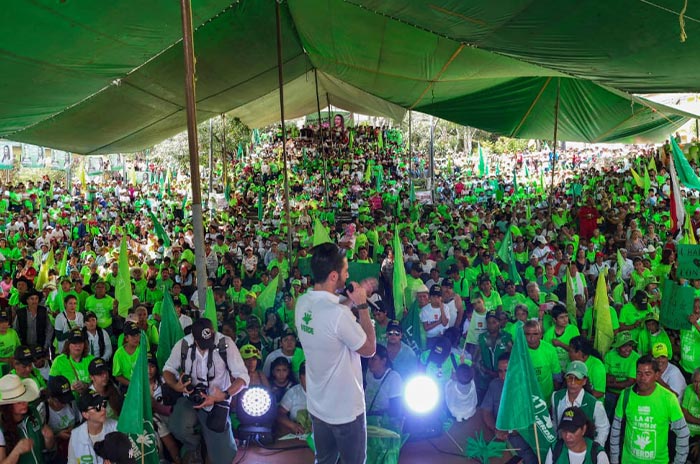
x: 16, y: 390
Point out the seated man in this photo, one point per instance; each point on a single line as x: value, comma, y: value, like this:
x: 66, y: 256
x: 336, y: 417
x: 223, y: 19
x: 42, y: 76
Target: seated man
x: 460, y: 393
x: 292, y: 415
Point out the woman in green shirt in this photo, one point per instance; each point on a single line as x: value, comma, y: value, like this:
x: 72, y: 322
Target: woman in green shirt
x: 73, y: 362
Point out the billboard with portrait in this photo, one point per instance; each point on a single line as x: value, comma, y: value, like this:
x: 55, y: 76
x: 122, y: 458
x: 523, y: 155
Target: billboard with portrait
x: 7, y: 157
x: 60, y: 160
x: 32, y: 156
x: 116, y: 162
x: 95, y: 165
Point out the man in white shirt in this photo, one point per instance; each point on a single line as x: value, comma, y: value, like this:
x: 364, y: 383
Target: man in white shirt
x: 333, y: 344
x: 671, y: 377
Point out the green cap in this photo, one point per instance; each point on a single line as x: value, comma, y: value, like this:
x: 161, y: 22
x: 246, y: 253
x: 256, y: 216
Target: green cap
x: 578, y: 369
x: 623, y: 338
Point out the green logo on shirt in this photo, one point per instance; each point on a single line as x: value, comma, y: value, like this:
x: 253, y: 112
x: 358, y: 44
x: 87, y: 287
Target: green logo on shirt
x: 305, y: 327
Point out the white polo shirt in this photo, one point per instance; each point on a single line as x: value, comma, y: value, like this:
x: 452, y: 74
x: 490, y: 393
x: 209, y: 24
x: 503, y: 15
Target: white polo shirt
x: 331, y: 336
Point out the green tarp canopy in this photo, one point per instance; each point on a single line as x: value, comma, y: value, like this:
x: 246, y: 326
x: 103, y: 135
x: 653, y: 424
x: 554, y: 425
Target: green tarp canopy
x: 91, y: 78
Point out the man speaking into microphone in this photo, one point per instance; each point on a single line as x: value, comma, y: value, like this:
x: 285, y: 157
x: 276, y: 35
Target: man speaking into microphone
x: 333, y: 343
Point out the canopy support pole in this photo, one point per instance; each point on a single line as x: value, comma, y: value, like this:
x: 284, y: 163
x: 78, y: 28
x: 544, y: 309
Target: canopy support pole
x: 224, y: 164
x: 320, y: 141
x: 195, y: 180
x: 432, y: 159
x: 554, y: 152
x: 280, y: 77
x: 697, y: 131
x: 410, y: 148
x: 211, y: 168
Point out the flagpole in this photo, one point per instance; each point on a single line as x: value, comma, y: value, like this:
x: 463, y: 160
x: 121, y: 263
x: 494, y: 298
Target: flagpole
x: 224, y: 166
x: 554, y: 153
x: 211, y: 168
x: 537, y: 442
x: 195, y: 180
x: 280, y: 78
x: 320, y: 140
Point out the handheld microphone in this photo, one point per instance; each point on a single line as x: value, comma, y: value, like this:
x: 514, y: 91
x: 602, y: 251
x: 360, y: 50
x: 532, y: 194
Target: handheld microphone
x: 348, y: 288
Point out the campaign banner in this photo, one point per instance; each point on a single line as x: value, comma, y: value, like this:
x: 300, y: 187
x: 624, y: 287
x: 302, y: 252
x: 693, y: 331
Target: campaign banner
x: 116, y: 162
x: 7, y: 158
x: 32, y: 156
x: 689, y: 261
x: 676, y: 305
x: 95, y: 165
x: 60, y: 160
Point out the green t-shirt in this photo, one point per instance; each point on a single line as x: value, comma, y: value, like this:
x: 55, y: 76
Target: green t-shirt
x: 510, y: 302
x: 647, y: 341
x: 36, y: 376
x: 68, y: 368
x: 629, y: 314
x: 102, y: 307
x: 647, y: 423
x: 690, y: 349
x: 596, y: 374
x: 546, y: 365
x: 692, y: 404
x: 570, y: 332
x: 621, y: 368
x: 492, y: 302
x: 123, y: 363
x: 587, y: 322
x: 8, y: 342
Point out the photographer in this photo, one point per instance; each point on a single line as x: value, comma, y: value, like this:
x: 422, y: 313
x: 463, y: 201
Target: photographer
x: 208, y: 369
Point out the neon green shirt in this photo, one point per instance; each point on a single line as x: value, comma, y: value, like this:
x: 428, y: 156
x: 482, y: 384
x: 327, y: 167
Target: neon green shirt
x: 621, y: 368
x: 546, y: 365
x: 8, y: 342
x: 70, y: 369
x: 690, y: 349
x: 102, y: 307
x: 570, y: 332
x: 123, y: 362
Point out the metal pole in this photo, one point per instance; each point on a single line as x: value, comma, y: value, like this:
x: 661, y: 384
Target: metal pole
x: 280, y: 77
x: 224, y: 161
x: 197, y: 218
x: 410, y: 147
x: 554, y: 152
x: 432, y: 159
x: 320, y: 142
x: 697, y: 131
x: 211, y: 169
x: 330, y: 122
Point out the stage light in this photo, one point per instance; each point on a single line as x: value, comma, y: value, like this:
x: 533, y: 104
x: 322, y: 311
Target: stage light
x: 256, y: 412
x: 421, y: 394
x: 423, y: 415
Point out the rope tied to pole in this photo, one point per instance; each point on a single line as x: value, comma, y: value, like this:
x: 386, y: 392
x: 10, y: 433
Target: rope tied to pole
x: 681, y: 21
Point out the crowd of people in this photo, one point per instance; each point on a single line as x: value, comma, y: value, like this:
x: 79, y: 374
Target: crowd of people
x: 65, y: 335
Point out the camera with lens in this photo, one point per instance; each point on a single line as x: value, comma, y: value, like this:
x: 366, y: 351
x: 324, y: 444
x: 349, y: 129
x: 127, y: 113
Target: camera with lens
x: 194, y: 393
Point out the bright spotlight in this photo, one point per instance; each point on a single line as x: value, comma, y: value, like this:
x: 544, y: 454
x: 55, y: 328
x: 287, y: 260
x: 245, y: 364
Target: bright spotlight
x: 256, y: 401
x: 256, y: 411
x: 421, y: 394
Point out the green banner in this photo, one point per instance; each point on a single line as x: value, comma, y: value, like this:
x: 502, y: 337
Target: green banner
x: 689, y: 261
x: 360, y: 271
x: 676, y: 305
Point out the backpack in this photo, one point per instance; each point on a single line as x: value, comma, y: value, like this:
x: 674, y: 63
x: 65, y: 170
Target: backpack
x: 221, y: 347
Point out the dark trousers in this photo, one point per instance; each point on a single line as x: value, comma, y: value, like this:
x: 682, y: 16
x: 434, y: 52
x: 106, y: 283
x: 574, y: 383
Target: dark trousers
x: 349, y: 441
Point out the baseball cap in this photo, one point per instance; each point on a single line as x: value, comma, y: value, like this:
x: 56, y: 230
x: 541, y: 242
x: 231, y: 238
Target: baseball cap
x: 440, y: 351
x: 453, y: 269
x: 150, y: 358
x: 572, y: 419
x: 578, y: 369
x: 659, y: 349
x: 89, y: 399
x: 492, y: 314
x: 4, y: 316
x: 447, y: 282
x: 249, y: 351
x: 435, y: 290
x: 651, y: 316
x: 253, y: 321
x: 97, y: 366
x: 76, y: 336
x: 394, y: 325
x: 116, y: 447
x: 623, y: 338
x: 38, y: 352
x: 203, y: 333
x: 90, y: 315
x: 130, y: 328
x: 24, y: 354
x: 288, y: 333
x: 59, y: 388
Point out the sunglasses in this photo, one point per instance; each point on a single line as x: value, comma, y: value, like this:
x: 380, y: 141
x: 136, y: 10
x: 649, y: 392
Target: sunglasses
x: 393, y: 332
x: 98, y: 407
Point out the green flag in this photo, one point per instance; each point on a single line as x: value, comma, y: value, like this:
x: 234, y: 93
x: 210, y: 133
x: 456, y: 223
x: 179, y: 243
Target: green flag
x: 602, y: 320
x: 412, y: 194
x: 320, y: 234
x: 380, y: 140
x: 620, y: 265
x: 136, y: 419
x: 260, y: 206
x: 159, y: 230
x: 266, y: 299
x: 413, y: 331
x: 483, y: 168
x: 399, y: 278
x: 63, y: 265
x: 239, y: 152
x: 122, y: 287
x: 505, y: 252
x: 43, y: 275
x: 647, y: 182
x: 170, y: 330
x: 522, y: 393
x: 570, y: 301
x: 41, y: 215
x: 685, y: 172
x: 210, y: 308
